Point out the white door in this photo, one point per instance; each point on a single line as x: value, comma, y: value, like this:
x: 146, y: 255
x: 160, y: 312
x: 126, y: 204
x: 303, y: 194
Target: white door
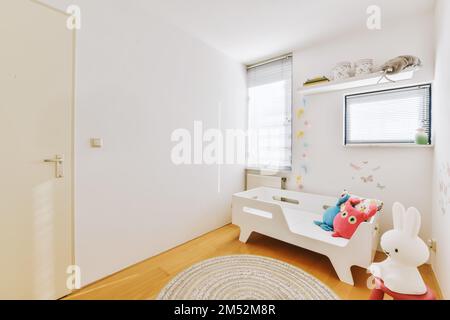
x: 36, y: 104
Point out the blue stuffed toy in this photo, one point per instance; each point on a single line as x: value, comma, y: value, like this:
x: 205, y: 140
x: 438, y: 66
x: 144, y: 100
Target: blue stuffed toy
x: 332, y: 212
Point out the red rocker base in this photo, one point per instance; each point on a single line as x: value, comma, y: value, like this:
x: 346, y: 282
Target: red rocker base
x: 380, y: 290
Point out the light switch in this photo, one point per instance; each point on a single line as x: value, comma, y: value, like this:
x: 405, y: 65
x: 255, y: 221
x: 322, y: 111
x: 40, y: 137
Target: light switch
x: 96, y: 142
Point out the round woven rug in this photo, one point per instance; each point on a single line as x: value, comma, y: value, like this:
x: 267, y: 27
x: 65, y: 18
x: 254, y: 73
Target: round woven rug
x: 245, y: 277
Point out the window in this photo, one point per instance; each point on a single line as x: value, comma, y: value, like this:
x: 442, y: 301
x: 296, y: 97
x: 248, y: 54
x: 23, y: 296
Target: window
x: 390, y: 116
x: 269, y: 115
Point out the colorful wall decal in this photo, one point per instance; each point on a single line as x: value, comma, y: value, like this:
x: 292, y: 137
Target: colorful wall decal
x: 299, y: 181
x: 355, y: 167
x: 303, y: 126
x: 444, y: 187
x: 300, y: 113
x: 304, y: 167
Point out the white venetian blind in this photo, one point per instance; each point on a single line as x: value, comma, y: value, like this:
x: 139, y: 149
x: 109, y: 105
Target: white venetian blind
x: 391, y: 116
x: 269, y: 115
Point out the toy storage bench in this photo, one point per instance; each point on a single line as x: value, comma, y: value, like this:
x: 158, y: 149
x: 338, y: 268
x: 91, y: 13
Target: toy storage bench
x: 288, y: 216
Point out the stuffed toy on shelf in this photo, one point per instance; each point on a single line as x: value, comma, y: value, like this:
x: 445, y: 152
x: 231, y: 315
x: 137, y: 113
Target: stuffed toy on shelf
x: 405, y: 253
x: 329, y: 215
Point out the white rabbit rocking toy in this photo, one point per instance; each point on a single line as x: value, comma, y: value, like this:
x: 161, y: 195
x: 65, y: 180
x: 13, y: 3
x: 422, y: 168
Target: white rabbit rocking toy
x: 405, y: 251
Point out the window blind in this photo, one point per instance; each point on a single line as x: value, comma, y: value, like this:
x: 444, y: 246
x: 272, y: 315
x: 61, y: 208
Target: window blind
x: 391, y: 116
x: 269, y: 115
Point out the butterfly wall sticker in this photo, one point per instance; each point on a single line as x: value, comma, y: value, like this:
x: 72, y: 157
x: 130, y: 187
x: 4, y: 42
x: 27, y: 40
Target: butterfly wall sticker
x: 367, y: 179
x: 381, y: 187
x: 355, y: 167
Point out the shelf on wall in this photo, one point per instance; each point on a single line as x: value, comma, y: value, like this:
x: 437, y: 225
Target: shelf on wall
x: 389, y: 145
x: 356, y: 82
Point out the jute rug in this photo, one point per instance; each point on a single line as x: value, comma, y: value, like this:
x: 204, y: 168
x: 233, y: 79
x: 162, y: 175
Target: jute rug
x: 245, y: 277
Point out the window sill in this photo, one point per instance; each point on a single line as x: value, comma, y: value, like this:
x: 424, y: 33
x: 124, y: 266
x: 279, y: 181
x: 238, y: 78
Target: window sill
x: 269, y: 171
x: 389, y: 145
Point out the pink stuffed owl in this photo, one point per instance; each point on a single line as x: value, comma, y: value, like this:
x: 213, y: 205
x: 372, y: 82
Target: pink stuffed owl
x: 349, y: 219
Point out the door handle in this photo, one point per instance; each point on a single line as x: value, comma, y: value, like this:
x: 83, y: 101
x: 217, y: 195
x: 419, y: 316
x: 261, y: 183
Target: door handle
x: 59, y: 169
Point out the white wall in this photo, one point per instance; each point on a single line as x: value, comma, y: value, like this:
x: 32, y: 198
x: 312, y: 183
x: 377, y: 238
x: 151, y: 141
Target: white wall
x: 406, y: 172
x: 139, y: 79
x: 441, y: 198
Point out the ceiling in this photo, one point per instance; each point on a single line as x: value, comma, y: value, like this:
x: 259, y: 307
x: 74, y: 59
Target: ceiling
x: 251, y: 30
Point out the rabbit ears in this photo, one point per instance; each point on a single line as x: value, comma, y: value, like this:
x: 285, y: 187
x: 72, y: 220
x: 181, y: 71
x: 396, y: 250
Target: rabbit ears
x: 408, y: 221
